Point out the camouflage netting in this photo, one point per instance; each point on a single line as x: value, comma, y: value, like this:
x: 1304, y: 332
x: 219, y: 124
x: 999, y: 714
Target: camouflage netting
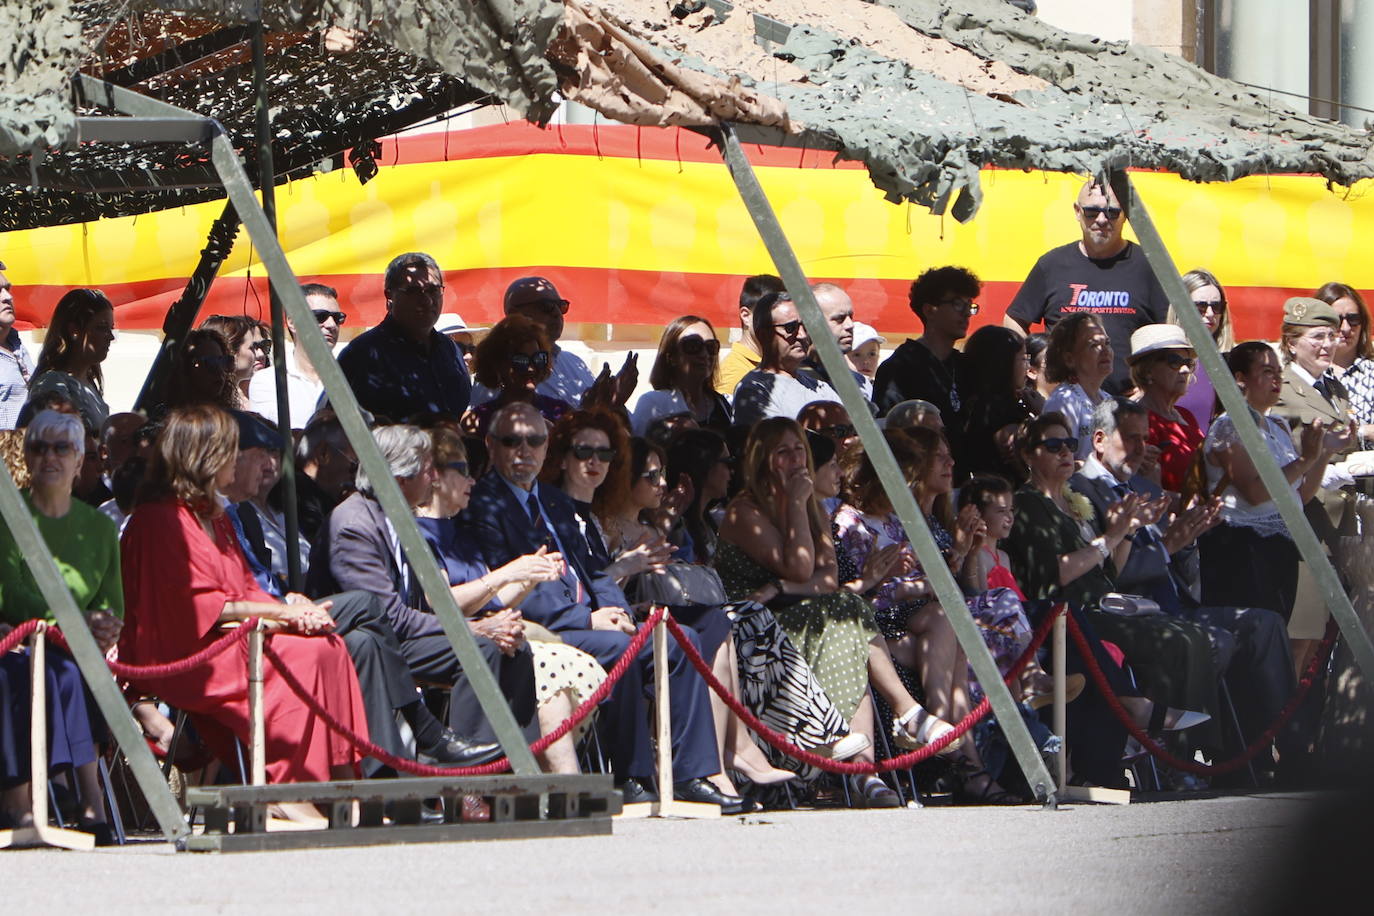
x: 923, y: 92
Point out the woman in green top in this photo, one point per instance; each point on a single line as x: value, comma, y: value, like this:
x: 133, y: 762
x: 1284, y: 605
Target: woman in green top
x: 85, y: 545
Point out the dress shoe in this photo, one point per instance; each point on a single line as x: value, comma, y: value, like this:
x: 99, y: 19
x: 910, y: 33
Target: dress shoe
x: 871, y: 792
x: 699, y: 790
x: 453, y: 750
x: 634, y: 792
x: 1176, y: 720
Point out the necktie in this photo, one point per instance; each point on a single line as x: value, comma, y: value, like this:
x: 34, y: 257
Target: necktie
x: 544, y: 536
x: 1322, y: 386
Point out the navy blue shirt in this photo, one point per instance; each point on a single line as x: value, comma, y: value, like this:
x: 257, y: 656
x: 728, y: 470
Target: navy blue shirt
x: 394, y: 377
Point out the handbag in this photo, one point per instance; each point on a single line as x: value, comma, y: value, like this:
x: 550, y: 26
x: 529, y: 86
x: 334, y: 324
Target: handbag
x: 677, y: 584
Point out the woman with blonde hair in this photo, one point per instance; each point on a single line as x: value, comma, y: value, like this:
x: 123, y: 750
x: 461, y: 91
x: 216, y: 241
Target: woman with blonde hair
x: 1209, y: 296
x: 776, y: 548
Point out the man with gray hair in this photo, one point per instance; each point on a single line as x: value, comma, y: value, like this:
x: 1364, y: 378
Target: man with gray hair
x: 1249, y: 645
x: 403, y: 367
x: 838, y: 310
x: 359, y: 549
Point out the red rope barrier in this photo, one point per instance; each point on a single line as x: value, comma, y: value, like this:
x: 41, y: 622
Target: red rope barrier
x: 501, y: 764
x: 900, y: 762
x: 18, y: 635
x: 1192, y: 766
x: 169, y: 669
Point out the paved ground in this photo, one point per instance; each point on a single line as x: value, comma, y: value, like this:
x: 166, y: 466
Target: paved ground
x: 1196, y: 856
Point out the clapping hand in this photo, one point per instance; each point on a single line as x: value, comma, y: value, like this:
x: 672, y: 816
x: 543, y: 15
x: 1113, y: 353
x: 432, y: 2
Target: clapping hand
x: 506, y: 628
x: 970, y: 531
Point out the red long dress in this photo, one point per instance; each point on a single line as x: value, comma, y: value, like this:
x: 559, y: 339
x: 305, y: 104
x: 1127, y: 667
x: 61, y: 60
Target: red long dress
x: 176, y: 583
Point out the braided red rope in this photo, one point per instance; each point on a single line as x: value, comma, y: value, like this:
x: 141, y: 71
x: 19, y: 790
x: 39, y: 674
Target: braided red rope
x: 501, y: 764
x: 18, y: 635
x: 900, y: 762
x: 1192, y: 766
x: 169, y: 669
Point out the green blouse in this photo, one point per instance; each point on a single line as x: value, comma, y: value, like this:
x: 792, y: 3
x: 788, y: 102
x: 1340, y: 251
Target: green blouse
x: 85, y: 544
x: 1040, y: 535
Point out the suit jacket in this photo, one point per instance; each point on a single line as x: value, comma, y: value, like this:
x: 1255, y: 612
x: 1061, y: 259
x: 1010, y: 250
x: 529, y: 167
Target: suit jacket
x: 354, y: 552
x: 1332, y: 511
x: 501, y: 525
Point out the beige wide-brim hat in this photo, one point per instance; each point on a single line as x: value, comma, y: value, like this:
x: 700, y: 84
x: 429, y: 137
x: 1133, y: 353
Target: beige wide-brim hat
x: 1155, y: 337
x: 453, y: 323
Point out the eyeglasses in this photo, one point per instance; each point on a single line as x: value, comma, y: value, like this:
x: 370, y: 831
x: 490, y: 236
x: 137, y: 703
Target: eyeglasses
x: 1354, y: 319
x: 838, y: 431
x: 460, y: 466
x: 604, y: 454
x: 1095, y: 212
x: 790, y: 329
x: 694, y: 345
x: 532, y: 362
x: 534, y: 440
x: 1216, y: 305
x: 966, y: 306
x: 323, y: 315
x: 40, y: 448
x: 1056, y: 444
x: 1176, y: 360
x: 1321, y: 338
x: 653, y: 477
x: 222, y: 363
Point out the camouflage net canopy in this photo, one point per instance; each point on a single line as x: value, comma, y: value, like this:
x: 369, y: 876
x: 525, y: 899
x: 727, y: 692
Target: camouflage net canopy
x: 923, y: 92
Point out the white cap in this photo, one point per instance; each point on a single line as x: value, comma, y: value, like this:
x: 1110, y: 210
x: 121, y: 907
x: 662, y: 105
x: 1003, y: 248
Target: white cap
x: 453, y: 323
x: 863, y: 333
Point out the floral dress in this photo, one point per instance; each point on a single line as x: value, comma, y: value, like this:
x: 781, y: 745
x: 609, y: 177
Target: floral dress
x: 998, y: 611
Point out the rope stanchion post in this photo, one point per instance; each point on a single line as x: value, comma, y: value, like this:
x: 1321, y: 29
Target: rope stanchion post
x: 667, y: 806
x: 256, y: 715
x: 40, y: 834
x: 1099, y: 794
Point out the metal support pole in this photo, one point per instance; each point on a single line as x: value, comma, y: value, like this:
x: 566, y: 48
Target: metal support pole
x: 309, y: 337
x: 1337, y: 601
x: 267, y: 180
x: 1061, y: 712
x: 91, y: 661
x: 904, y: 504
x: 257, y: 724
x: 219, y: 242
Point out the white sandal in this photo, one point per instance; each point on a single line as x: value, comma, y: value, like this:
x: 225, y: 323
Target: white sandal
x: 919, y: 727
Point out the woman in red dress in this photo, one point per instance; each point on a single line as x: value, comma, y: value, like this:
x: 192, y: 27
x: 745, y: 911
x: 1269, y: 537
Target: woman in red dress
x: 185, y: 576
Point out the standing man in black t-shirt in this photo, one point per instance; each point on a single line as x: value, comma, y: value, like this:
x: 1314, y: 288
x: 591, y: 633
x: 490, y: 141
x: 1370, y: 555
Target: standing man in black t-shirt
x: 1103, y: 274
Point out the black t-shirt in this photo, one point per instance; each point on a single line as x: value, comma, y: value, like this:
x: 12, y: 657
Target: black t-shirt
x: 1121, y: 291
x: 913, y: 372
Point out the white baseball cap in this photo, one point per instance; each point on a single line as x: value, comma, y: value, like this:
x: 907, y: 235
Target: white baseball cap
x: 863, y: 333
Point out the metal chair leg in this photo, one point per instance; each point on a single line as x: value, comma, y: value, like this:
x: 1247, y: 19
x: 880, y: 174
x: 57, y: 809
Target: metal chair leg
x: 111, y: 803
x: 1235, y: 726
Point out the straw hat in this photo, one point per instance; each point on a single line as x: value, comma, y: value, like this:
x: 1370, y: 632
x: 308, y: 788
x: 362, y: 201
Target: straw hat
x: 1155, y: 337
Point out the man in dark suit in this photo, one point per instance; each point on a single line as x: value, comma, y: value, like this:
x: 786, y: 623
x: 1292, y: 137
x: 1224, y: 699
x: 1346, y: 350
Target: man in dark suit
x: 1250, y: 645
x: 511, y: 515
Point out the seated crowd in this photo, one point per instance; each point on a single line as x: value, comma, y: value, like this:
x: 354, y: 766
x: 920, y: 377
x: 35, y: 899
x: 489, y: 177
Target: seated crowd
x: 736, y: 492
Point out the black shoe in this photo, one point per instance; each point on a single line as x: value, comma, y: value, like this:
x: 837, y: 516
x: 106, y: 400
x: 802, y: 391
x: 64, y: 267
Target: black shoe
x: 699, y: 790
x: 634, y: 792
x: 453, y: 750
x: 872, y: 792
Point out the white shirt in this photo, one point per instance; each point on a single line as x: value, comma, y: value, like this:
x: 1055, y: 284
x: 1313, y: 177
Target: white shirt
x: 567, y: 382
x: 1263, y: 517
x: 16, y: 368
x: 763, y: 394
x: 303, y: 394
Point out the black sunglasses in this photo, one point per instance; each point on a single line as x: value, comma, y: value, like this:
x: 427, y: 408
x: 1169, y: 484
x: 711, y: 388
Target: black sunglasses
x: 536, y: 362
x: 604, y: 454
x: 1216, y: 305
x: 534, y: 440
x: 1057, y: 444
x: 40, y: 448
x: 460, y: 466
x: 1176, y: 360
x: 1095, y: 212
x: 694, y: 345
x: 838, y: 431
x: 323, y: 315
x: 790, y: 329
x: 263, y: 346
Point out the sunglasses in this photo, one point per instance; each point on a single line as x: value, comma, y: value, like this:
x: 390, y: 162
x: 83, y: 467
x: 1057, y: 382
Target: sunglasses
x: 604, y: 454
x: 419, y: 289
x: 1178, y: 360
x: 1095, y: 212
x: 263, y: 346
x: 790, y: 329
x: 838, y: 431
x: 1216, y: 305
x: 533, y: 362
x: 965, y: 306
x: 1355, y: 320
x: 41, y: 448
x: 460, y: 466
x: 1056, y: 444
x: 694, y: 346
x: 653, y: 477
x: 323, y: 315
x: 533, y: 440
x: 222, y: 363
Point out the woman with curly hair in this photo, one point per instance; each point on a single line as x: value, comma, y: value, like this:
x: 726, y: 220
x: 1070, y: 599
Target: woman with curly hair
x: 202, y: 372
x: 250, y: 346
x: 514, y: 357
